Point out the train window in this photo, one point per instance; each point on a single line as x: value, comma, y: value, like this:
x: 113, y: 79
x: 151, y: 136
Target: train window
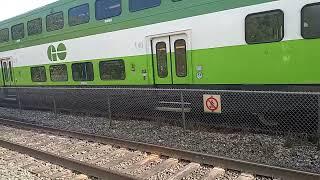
x: 310, y: 23
x: 82, y: 71
x: 138, y: 5
x: 264, y: 27
x: 38, y: 74
x: 107, y: 8
x: 34, y: 27
x: 17, y: 31
x: 161, y: 53
x: 55, y: 21
x: 79, y: 15
x: 112, y: 70
x: 5, y: 71
x: 180, y: 52
x: 4, y: 35
x: 58, y: 72
x: 10, y: 71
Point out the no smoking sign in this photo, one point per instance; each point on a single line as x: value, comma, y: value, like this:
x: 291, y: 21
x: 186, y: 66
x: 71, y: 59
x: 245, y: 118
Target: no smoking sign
x: 212, y: 103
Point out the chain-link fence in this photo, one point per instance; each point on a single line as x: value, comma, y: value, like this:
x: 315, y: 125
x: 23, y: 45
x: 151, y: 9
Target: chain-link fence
x: 260, y: 111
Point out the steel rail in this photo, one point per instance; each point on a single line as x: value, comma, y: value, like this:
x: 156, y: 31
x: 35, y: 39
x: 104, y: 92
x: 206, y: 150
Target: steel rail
x: 202, y: 158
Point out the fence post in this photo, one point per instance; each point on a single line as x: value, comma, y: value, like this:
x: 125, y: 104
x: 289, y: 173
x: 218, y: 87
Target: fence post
x: 109, y: 111
x: 54, y: 107
x: 183, y: 111
x: 19, y: 100
x: 318, y: 131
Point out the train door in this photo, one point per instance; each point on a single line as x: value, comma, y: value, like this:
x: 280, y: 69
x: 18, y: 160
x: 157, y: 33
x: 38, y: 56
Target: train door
x: 171, y: 59
x: 7, y: 73
x: 8, y: 79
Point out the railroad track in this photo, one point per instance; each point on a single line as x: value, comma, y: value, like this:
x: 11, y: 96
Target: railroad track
x: 110, y: 158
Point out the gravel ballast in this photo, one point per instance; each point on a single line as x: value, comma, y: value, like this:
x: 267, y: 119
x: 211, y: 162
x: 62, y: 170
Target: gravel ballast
x: 11, y: 170
x: 260, y: 148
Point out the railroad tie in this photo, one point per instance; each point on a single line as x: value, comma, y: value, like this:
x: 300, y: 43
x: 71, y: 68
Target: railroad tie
x: 93, y: 152
x: 185, y: 171
x: 40, y: 170
x: 36, y: 141
x: 60, y: 146
x: 35, y: 167
x: 5, y: 153
x: 214, y: 173
x: 159, y: 168
x: 60, y: 175
x: 80, y: 154
x: 244, y: 176
x: 28, y: 165
x: 126, y: 156
x: 100, y: 158
x: 25, y: 137
x: 44, y: 144
x: 9, y: 156
x: 138, y: 164
x: 73, y: 151
x: 80, y: 177
x: 25, y: 162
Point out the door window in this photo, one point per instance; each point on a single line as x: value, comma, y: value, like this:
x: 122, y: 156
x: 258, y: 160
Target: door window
x: 5, y: 71
x: 180, y: 52
x: 161, y: 54
x: 10, y: 72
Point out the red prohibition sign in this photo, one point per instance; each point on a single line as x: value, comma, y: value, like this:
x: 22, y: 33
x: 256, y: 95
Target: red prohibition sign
x: 212, y: 104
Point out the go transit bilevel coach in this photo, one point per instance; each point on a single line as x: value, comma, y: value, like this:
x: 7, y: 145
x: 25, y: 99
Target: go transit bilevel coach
x: 189, y: 43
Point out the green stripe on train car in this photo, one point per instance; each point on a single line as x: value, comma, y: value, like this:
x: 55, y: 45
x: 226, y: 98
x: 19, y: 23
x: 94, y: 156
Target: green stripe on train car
x: 290, y: 62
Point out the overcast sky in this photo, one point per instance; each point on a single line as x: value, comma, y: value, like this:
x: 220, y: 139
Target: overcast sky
x: 11, y: 8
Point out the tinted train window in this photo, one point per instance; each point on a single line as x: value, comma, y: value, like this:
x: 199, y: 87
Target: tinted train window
x: 4, y: 35
x: 58, y: 72
x: 10, y: 71
x: 79, y: 15
x: 82, y: 72
x: 265, y: 27
x: 310, y: 21
x: 138, y: 5
x: 38, y: 74
x: 17, y: 31
x: 55, y: 21
x: 34, y: 27
x: 5, y: 71
x: 112, y: 70
x: 107, y: 8
x: 180, y: 52
x: 161, y: 53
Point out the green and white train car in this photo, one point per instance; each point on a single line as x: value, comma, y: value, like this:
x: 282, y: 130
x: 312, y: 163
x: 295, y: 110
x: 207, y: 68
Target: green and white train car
x: 192, y: 43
